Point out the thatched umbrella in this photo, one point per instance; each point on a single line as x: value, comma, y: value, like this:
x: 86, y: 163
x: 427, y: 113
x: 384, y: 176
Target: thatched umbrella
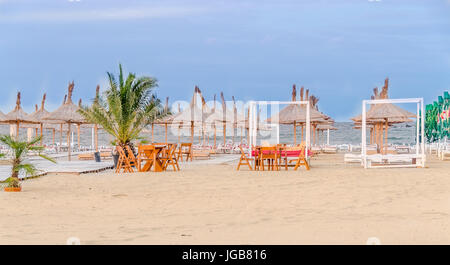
x: 326, y: 127
x: 296, y: 114
x: 68, y: 112
x: 193, y: 115
x: 384, y: 115
x: 224, y: 116
x: 18, y: 116
x: 39, y: 114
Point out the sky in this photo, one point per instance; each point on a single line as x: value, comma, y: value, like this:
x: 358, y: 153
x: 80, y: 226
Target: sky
x: 252, y: 50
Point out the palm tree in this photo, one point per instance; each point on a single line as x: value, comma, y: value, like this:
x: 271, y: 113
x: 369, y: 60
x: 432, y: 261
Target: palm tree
x: 127, y: 107
x: 19, y: 152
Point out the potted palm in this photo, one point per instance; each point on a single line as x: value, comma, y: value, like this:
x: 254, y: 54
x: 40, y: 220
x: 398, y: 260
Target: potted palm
x: 18, y: 160
x: 125, y: 108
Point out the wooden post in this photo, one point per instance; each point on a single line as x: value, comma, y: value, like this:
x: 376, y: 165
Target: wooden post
x: 302, y: 133
x: 295, y: 133
x: 96, y: 137
x: 215, y: 132
x: 42, y: 134
x: 224, y: 133
x: 53, y: 136
x: 165, y: 126
x: 152, y: 134
x: 17, y: 130
x: 68, y: 141
x: 60, y: 134
x: 78, y: 135
x: 386, y: 135
x: 192, y: 132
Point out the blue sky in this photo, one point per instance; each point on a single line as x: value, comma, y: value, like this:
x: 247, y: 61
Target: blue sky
x: 340, y: 50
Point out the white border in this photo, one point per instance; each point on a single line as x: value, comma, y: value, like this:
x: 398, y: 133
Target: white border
x: 420, y: 110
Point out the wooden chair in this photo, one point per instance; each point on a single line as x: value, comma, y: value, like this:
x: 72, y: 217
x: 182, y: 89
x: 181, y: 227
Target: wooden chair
x: 170, y: 158
x: 282, y: 155
x: 244, y: 160
x: 142, y: 156
x: 301, y: 160
x: 131, y: 157
x: 269, y: 154
x: 185, y: 149
x: 123, y: 162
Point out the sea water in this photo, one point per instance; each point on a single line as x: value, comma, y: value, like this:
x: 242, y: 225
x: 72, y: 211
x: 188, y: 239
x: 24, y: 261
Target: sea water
x: 404, y: 133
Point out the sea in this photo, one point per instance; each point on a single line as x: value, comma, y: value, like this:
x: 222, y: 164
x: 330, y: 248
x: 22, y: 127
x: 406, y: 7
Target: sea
x: 404, y: 133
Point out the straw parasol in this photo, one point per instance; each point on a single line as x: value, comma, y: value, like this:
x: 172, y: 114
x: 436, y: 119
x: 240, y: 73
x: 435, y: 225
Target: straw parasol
x: 39, y: 114
x: 193, y: 115
x: 68, y: 112
x: 18, y: 116
x: 2, y: 117
x: 383, y: 115
x: 326, y: 127
x: 296, y: 114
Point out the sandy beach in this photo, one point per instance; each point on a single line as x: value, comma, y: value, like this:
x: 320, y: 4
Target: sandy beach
x: 212, y: 203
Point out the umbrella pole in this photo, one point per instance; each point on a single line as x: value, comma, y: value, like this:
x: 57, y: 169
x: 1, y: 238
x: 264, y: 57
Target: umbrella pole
x: 68, y: 141
x: 386, y: 145
x: 78, y: 136
x: 215, y: 132
x: 295, y: 133
x: 302, y: 132
x: 242, y: 132
x: 17, y: 130
x: 192, y: 132
x: 165, y: 125
x: 224, y: 134
x: 60, y: 134
x: 96, y: 137
x: 152, y: 133
x: 248, y: 137
x: 42, y: 134
x: 53, y: 136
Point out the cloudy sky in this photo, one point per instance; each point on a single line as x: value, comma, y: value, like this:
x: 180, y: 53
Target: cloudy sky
x: 256, y: 49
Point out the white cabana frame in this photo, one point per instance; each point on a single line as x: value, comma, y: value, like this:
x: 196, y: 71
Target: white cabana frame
x: 253, y: 122
x: 420, y: 128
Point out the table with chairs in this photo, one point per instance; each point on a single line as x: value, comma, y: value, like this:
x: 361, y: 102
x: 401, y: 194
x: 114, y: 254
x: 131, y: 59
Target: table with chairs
x: 274, y: 157
x: 157, y: 157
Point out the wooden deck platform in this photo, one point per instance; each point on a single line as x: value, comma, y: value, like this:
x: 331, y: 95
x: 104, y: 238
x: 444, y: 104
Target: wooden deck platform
x: 67, y: 167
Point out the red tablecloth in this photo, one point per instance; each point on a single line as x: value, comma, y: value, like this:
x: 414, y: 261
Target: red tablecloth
x: 283, y: 153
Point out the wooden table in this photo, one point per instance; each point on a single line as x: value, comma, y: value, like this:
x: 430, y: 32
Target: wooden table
x: 153, y: 158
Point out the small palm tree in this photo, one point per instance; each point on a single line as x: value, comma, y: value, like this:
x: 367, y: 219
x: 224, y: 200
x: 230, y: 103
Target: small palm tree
x: 19, y: 152
x: 127, y: 107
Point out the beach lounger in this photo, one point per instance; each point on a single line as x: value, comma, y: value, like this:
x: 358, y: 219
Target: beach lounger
x: 352, y: 158
x: 329, y: 149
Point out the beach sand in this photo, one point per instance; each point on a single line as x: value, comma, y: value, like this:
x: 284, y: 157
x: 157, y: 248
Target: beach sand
x: 215, y: 204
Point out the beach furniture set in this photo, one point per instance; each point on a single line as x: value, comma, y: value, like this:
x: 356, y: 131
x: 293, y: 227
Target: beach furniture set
x: 274, y: 158
x: 155, y: 157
